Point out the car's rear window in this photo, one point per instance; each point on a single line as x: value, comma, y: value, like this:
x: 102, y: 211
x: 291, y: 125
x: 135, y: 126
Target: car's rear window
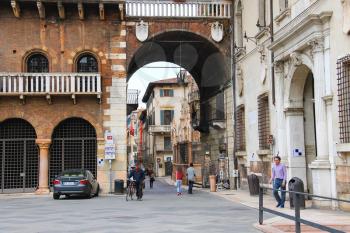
x: 73, y: 174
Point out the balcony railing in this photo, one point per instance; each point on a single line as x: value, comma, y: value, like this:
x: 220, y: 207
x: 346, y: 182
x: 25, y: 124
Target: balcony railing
x: 23, y: 84
x: 188, y: 9
x: 159, y: 128
x: 163, y: 148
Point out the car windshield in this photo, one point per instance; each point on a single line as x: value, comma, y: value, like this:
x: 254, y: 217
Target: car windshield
x: 73, y: 174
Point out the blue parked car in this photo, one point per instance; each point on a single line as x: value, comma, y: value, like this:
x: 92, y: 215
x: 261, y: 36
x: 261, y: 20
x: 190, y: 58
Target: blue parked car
x: 75, y: 182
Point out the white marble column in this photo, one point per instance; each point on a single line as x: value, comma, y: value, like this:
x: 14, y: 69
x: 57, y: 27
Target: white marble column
x: 321, y: 176
x: 295, y: 140
x: 280, y: 140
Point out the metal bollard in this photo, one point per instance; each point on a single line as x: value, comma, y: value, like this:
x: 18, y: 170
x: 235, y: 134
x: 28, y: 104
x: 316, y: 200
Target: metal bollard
x: 261, y: 205
x: 297, y: 212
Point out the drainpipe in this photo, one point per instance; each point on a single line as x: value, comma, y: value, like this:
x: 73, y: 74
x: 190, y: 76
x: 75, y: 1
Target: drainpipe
x: 233, y: 80
x: 272, y: 55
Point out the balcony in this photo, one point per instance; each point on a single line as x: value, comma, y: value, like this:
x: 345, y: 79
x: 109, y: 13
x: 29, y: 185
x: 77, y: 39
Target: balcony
x: 50, y: 84
x: 159, y: 128
x: 169, y: 9
x: 161, y: 148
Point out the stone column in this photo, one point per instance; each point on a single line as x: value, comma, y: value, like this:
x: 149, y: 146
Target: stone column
x: 321, y: 176
x: 320, y: 106
x: 44, y: 145
x: 295, y: 140
x: 280, y: 140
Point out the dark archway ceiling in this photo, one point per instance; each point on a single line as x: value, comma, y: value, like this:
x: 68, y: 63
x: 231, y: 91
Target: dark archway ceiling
x: 197, y: 55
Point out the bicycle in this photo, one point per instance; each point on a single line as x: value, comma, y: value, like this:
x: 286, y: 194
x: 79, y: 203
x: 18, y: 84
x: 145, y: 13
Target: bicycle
x: 131, y: 190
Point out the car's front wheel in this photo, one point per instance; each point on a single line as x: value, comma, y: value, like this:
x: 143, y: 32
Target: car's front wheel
x: 56, y: 196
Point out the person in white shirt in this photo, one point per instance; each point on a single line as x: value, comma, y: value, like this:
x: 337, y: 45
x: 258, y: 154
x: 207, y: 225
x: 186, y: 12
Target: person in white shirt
x: 190, y: 177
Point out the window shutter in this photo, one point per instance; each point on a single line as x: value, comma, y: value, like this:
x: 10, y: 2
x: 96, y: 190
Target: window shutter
x: 162, y: 117
x: 161, y: 92
x: 171, y: 93
x: 172, y: 115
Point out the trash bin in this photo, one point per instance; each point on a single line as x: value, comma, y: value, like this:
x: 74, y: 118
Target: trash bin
x: 253, y: 184
x: 296, y: 184
x: 119, y: 186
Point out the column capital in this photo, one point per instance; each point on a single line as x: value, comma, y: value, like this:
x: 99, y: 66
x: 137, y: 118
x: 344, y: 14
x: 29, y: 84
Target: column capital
x: 317, y: 45
x: 328, y: 99
x: 295, y: 58
x: 43, y: 143
x: 279, y: 67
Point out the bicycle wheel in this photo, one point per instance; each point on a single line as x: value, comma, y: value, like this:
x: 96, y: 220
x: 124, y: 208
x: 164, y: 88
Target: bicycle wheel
x: 132, y: 191
x: 127, y: 194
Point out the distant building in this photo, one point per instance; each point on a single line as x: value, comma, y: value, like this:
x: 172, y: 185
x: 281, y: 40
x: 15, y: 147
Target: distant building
x: 164, y: 103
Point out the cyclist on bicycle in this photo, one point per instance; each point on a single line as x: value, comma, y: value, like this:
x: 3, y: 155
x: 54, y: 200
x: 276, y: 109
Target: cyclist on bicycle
x: 138, y: 175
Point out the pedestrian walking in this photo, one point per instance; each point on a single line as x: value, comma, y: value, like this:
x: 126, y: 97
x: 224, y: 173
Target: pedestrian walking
x: 190, y: 178
x: 179, y: 175
x: 151, y: 178
x: 279, y: 178
x: 138, y: 175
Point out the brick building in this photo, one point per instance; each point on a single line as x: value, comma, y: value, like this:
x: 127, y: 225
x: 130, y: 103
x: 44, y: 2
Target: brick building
x: 64, y: 70
x: 60, y: 64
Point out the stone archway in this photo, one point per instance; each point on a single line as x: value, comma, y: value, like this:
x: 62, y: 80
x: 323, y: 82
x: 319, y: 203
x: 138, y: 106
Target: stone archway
x: 199, y: 56
x: 300, y: 125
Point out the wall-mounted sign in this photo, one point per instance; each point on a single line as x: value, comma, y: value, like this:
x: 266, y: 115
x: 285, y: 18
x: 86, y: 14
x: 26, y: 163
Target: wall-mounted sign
x: 100, y: 162
x: 109, y: 146
x: 297, y: 152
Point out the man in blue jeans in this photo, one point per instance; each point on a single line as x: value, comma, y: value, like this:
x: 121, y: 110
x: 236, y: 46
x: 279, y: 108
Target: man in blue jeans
x: 190, y: 177
x: 279, y: 178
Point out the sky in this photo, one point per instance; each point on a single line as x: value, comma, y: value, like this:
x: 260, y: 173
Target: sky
x: 142, y: 77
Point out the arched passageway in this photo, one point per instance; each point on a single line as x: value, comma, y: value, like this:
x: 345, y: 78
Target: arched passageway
x: 74, y: 146
x: 18, y: 156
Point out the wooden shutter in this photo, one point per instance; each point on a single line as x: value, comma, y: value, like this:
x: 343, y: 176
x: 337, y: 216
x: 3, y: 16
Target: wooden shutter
x: 161, y: 92
x: 162, y: 117
x: 172, y: 115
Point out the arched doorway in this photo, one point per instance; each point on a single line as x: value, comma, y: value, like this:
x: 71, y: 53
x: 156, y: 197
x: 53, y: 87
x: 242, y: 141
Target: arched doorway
x: 209, y: 67
x: 301, y: 128
x: 19, y: 157
x: 74, y: 146
x: 196, y: 54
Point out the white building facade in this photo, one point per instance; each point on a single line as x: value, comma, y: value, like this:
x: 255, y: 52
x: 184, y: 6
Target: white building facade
x: 294, y: 103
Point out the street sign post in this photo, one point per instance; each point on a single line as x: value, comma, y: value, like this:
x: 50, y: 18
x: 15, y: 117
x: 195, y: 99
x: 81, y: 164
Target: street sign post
x: 109, y: 154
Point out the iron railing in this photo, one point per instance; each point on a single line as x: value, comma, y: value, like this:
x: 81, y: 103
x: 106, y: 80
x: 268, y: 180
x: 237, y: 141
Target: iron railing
x: 171, y: 9
x: 159, y: 128
x: 343, y: 68
x: 296, y: 218
x: 50, y: 83
x: 263, y: 121
x: 241, y: 144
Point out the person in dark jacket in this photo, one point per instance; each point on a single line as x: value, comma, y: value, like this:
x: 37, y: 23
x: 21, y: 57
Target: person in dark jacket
x: 138, y: 175
x: 151, y: 178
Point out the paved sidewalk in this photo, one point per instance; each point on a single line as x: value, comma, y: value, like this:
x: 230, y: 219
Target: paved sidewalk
x: 336, y: 219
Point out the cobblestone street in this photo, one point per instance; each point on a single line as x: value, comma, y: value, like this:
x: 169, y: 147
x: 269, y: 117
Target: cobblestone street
x: 160, y: 211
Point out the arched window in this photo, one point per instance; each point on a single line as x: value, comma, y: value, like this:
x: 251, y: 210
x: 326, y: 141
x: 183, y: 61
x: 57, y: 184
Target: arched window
x: 37, y: 63
x: 87, y: 64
